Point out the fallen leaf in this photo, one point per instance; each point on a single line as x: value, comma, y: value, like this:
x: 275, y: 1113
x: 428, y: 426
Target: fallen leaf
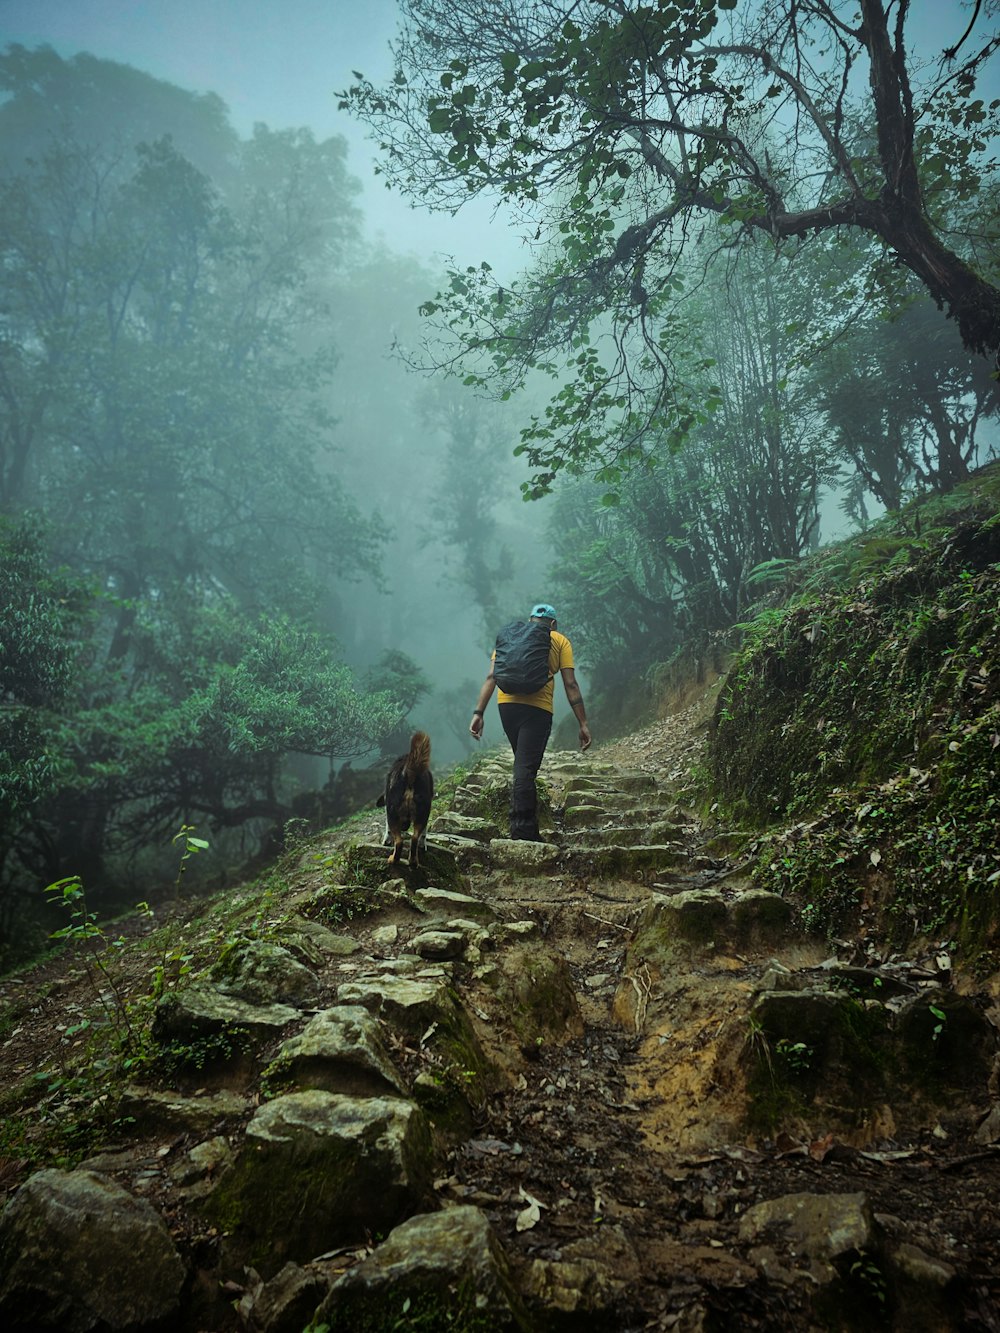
x: 530, y: 1216
x: 875, y: 857
x: 819, y: 1149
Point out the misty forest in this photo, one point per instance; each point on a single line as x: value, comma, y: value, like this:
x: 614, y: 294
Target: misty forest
x: 269, y: 485
x: 758, y: 308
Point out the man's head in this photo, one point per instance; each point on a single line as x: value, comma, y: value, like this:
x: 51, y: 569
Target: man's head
x: 542, y: 611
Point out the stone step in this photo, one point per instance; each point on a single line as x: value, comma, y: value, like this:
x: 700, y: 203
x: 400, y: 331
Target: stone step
x: 626, y: 835
x: 463, y: 826
x: 621, y: 781
x: 618, y: 801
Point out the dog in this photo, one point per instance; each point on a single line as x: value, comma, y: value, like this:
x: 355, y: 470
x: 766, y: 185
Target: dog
x: 409, y: 791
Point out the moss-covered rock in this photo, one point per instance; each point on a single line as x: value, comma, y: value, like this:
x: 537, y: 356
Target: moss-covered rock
x: 535, y: 994
x: 339, y: 1050
x: 78, y: 1252
x: 263, y: 972
x: 318, y: 1170
x: 440, y: 1273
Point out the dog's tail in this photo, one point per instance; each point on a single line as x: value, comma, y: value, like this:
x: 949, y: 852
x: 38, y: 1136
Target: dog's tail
x: 419, y: 758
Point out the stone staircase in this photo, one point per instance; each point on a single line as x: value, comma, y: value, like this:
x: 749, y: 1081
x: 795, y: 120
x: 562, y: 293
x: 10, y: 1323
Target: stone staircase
x: 585, y: 1083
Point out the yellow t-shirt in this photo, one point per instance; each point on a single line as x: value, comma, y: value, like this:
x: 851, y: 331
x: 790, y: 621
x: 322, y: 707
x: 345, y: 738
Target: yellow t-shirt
x: 560, y: 655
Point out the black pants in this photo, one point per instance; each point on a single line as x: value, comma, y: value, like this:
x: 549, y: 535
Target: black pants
x: 527, y: 729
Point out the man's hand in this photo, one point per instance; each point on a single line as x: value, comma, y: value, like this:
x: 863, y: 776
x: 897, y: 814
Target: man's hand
x: 476, y: 726
x: 584, y: 735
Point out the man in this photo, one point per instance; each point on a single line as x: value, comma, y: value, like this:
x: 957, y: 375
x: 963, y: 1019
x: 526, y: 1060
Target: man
x: 527, y: 722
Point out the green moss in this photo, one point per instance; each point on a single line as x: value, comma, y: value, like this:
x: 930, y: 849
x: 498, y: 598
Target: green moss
x: 421, y: 1306
x: 815, y: 1054
x: 857, y: 727
x: 536, y: 995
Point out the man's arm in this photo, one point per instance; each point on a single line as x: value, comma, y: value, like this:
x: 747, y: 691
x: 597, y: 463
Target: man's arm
x: 485, y: 695
x: 575, y: 699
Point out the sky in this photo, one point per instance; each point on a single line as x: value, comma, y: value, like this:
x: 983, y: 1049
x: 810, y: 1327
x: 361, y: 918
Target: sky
x: 277, y: 61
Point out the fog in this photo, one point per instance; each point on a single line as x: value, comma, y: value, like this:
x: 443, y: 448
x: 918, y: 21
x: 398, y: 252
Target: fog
x: 283, y: 66
x: 252, y: 534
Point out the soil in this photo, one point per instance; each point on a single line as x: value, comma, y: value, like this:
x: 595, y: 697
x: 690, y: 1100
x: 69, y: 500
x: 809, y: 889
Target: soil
x: 625, y: 1141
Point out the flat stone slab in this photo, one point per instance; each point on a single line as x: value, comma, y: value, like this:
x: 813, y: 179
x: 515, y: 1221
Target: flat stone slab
x: 624, y: 780
x: 440, y: 945
x: 413, y: 1004
x: 170, y: 1112
x: 315, y: 939
x: 464, y: 826
x: 441, y: 902
x: 517, y: 854
x: 603, y: 800
x: 203, y: 1010
x: 625, y: 861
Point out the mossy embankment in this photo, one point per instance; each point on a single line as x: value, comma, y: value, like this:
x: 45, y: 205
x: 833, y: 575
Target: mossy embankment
x: 859, y: 728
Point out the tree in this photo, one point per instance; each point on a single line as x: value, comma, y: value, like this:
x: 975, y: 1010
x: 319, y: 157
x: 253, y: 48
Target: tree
x: 464, y: 509
x: 616, y: 125
x: 47, y: 98
x: 164, y: 403
x: 197, y: 731
x: 904, y: 401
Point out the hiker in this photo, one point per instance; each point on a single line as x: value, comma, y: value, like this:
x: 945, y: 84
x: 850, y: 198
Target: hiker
x: 519, y: 662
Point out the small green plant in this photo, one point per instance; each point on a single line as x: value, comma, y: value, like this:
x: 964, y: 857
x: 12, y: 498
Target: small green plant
x: 866, y: 1272
x: 191, y: 847
x: 105, y: 980
x: 795, y: 1055
x: 941, y: 1017
x: 118, y: 1042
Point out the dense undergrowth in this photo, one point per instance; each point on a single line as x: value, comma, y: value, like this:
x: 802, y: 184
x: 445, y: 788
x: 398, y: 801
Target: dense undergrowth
x: 859, y: 728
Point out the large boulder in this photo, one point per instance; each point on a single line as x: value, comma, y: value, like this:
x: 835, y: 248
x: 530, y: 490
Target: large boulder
x: 321, y: 1169
x: 78, y: 1252
x: 439, y: 1272
x: 264, y: 973
x: 339, y: 1050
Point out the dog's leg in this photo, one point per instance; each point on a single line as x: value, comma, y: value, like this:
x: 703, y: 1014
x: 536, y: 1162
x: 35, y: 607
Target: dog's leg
x: 397, y: 847
x: 417, y: 843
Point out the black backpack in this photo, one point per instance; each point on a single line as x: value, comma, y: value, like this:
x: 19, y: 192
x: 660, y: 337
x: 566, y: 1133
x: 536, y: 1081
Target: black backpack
x: 521, y: 665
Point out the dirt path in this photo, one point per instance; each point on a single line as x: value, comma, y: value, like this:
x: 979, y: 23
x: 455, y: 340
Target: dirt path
x: 633, y: 1138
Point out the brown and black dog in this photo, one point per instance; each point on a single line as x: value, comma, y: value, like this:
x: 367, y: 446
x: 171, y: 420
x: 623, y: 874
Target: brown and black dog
x: 409, y: 790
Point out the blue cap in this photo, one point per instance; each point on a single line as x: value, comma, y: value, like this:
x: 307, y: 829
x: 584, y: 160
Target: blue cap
x: 545, y: 611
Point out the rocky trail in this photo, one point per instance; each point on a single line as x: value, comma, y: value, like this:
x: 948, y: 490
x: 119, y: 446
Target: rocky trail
x: 607, y: 1082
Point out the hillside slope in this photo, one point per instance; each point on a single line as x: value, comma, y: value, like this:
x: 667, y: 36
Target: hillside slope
x: 701, y: 1060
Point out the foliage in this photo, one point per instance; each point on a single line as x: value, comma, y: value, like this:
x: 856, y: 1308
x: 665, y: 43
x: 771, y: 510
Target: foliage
x: 619, y: 129
x: 166, y: 374
x: 38, y: 653
x: 904, y: 401
x: 881, y: 799
x: 199, y: 728
x: 692, y: 534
